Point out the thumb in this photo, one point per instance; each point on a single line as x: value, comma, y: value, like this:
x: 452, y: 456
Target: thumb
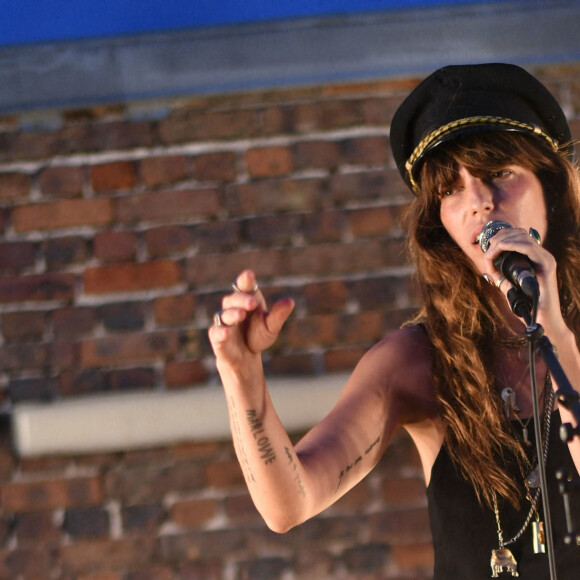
x: 278, y: 315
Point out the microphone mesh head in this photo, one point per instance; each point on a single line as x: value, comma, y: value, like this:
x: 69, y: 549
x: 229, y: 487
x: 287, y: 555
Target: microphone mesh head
x: 489, y: 230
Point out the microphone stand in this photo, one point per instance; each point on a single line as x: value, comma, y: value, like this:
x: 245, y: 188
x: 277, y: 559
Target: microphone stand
x: 524, y: 307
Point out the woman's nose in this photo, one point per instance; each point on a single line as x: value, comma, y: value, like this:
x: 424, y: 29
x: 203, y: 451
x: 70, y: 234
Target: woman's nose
x: 481, y: 195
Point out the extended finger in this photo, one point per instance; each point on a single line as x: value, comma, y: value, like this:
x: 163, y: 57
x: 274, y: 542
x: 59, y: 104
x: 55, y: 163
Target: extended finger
x: 229, y: 317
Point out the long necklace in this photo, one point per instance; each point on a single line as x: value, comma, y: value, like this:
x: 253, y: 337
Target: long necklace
x: 502, y: 558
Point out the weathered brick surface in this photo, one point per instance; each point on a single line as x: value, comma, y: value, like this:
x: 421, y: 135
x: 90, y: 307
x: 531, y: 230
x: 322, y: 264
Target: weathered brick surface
x: 119, y: 237
x: 66, y: 213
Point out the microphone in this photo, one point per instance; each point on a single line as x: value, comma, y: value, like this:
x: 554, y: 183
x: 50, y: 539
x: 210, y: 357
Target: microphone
x: 516, y: 267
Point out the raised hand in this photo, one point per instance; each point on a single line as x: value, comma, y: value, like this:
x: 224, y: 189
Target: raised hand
x: 245, y: 327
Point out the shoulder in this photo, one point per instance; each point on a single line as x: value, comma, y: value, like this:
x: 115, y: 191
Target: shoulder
x: 406, y: 349
x: 400, y: 366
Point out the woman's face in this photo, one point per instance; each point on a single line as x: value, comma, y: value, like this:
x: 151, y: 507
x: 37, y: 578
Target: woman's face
x: 512, y: 194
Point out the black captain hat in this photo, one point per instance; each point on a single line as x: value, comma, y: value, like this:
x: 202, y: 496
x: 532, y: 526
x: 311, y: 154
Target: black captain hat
x: 465, y: 98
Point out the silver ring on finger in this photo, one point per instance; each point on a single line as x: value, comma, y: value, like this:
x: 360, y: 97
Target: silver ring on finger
x: 499, y: 282
x: 217, y: 319
x: 535, y: 235
x: 238, y: 289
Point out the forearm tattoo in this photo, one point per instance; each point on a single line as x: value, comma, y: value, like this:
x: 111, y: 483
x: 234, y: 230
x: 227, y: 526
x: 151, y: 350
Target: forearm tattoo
x: 264, y: 446
x: 357, y: 461
x: 238, y: 443
x: 297, y: 479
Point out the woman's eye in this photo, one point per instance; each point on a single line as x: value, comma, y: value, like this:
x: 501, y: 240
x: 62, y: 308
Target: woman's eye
x: 499, y: 174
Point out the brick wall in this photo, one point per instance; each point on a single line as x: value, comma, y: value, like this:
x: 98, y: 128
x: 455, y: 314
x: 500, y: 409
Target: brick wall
x: 122, y: 226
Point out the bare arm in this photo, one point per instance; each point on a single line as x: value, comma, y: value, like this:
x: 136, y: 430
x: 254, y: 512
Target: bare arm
x: 289, y: 485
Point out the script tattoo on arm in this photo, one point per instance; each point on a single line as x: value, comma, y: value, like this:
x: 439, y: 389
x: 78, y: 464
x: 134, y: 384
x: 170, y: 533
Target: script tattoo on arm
x: 297, y: 479
x: 356, y: 461
x: 264, y: 446
x: 238, y: 443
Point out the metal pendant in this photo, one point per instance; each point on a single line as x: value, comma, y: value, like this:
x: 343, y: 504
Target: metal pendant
x: 503, y: 560
x: 539, y: 537
x: 509, y: 402
x: 533, y: 478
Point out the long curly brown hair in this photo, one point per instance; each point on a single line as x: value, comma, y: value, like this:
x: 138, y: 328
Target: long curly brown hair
x: 462, y: 319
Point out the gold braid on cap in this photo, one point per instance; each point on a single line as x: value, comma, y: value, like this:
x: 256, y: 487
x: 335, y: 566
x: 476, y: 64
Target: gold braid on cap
x: 444, y: 130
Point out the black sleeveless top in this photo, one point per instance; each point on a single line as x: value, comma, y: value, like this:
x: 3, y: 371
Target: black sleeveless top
x: 465, y: 533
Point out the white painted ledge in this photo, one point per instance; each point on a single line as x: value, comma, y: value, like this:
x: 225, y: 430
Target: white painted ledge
x: 123, y: 422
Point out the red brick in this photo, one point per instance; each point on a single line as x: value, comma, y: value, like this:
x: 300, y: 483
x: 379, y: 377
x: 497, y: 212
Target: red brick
x: 63, y: 214
x: 61, y: 252
x: 272, y: 230
x: 217, y: 236
x: 362, y: 327
x: 37, y: 526
x: 168, y: 240
x: 223, y: 474
x: 92, y: 135
x: 28, y: 145
x: 28, y: 355
x: 379, y: 111
x: 128, y: 347
x: 276, y: 120
x: 51, y: 494
x: 14, y: 186
x: 328, y: 115
x: 194, y: 513
x: 316, y: 155
x: 30, y: 563
x: 100, y: 556
x: 313, y: 330
x: 32, y: 389
x: 151, y: 483
x: 269, y: 161
x: 275, y: 195
x: 331, y: 296
x: 142, y: 518
x: 377, y: 221
x: 158, y: 171
x: 169, y: 206
x: 154, y: 571
x: 115, y: 246
x: 291, y: 364
x: 114, y: 176
x: 223, y: 268
x: 220, y: 166
x: 241, y: 510
x: 184, y: 373
x: 199, y: 124
x: 36, y: 288
x: 122, y: 316
x: 23, y: 326
x: 132, y: 379
x: 366, y: 150
x: 322, y: 226
x: 62, y: 181
x: 17, y: 255
x: 131, y: 277
x: 334, y: 258
x: 86, y: 522
x: 173, y: 310
x: 87, y: 381
x: 102, y: 576
x: 400, y: 526
x: 73, y: 321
